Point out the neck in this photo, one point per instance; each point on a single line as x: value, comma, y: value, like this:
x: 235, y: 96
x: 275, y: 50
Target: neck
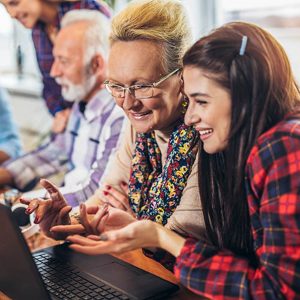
x: 91, y: 94
x: 49, y: 12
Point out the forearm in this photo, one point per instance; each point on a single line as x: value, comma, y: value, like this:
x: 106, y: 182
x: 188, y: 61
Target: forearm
x: 169, y: 240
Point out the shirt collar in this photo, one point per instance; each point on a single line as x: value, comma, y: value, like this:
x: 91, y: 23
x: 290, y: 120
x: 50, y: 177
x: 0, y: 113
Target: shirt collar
x: 97, y: 104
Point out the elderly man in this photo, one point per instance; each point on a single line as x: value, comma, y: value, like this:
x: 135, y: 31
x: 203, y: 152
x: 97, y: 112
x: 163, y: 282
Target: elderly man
x: 95, y: 122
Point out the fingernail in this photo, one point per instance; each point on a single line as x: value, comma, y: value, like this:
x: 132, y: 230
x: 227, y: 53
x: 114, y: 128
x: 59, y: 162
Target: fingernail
x: 103, y: 237
x: 108, y: 187
x: 124, y: 183
x: 105, y: 193
x: 27, y: 211
x: 36, y: 220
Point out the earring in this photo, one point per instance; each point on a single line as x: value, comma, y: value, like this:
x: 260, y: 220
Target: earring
x: 184, y: 104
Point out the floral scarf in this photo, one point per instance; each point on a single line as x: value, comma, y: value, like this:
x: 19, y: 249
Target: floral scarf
x: 155, y: 190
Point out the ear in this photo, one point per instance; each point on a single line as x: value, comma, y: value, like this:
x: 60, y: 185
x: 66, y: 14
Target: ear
x: 98, y: 65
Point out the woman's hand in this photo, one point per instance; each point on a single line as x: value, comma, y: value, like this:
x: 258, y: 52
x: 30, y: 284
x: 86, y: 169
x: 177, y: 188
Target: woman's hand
x: 139, y: 234
x: 96, y: 220
x: 117, y: 199
x: 49, y: 212
x: 136, y: 235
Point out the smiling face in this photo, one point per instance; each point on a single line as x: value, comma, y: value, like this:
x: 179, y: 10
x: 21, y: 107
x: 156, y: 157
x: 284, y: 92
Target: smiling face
x: 26, y: 12
x: 77, y: 80
x: 209, y: 109
x: 138, y: 62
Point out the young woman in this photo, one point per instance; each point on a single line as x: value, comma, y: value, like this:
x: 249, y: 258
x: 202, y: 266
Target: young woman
x: 43, y: 17
x: 243, y: 102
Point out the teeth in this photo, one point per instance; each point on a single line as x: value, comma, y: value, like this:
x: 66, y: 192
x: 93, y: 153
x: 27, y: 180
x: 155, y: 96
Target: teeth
x: 207, y: 131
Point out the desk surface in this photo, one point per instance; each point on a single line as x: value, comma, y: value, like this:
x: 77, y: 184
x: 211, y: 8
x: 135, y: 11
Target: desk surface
x: 136, y: 258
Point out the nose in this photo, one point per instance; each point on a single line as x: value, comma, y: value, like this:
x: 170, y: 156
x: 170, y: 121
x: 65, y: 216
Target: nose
x: 129, y: 101
x: 55, y: 70
x: 190, y: 117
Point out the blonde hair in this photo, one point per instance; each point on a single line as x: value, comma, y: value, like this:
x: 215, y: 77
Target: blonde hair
x: 162, y: 21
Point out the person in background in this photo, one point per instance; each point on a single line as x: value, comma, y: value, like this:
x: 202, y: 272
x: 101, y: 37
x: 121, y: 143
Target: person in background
x: 244, y: 102
x: 44, y: 17
x: 157, y: 155
x: 95, y: 123
x: 10, y: 146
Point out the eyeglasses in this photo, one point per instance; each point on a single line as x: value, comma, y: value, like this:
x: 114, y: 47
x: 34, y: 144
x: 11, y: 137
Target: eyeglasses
x: 139, y: 91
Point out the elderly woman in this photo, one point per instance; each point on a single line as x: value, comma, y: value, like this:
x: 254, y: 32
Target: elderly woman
x: 43, y: 17
x: 148, y: 40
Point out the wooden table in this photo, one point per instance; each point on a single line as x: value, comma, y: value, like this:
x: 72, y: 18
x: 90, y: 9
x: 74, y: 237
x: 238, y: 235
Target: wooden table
x: 136, y: 258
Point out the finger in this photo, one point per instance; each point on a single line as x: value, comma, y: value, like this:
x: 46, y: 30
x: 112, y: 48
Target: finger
x: 102, y: 222
x: 124, y: 187
x: 94, y: 237
x: 70, y: 229
x: 49, y: 186
x: 25, y: 201
x: 111, y: 200
x: 121, y: 197
x: 63, y: 216
x: 91, y: 210
x: 33, y: 206
x: 97, y: 218
x: 84, y: 219
x: 81, y: 240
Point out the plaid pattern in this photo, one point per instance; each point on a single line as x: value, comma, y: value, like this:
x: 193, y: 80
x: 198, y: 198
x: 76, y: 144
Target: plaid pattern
x: 43, y: 47
x: 104, y: 120
x: 273, y: 188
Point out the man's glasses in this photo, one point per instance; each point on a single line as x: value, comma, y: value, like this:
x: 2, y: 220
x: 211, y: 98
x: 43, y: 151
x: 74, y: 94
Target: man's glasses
x: 139, y: 91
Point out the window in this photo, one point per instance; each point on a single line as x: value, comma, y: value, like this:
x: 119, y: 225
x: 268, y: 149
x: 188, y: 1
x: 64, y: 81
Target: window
x: 281, y: 18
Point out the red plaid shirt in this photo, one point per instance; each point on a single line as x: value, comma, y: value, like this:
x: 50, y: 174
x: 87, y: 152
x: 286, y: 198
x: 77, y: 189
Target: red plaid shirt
x: 273, y: 188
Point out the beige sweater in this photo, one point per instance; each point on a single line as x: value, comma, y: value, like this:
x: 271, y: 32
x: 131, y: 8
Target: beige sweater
x: 187, y: 218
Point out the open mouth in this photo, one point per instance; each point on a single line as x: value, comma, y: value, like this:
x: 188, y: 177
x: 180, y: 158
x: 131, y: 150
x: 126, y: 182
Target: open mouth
x: 205, y: 133
x: 141, y: 115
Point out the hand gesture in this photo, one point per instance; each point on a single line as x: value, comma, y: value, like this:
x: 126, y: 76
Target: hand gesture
x: 138, y: 234
x: 49, y: 212
x: 96, y: 220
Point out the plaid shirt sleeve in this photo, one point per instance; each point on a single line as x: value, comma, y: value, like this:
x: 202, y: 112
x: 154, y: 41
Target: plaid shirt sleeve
x: 272, y: 182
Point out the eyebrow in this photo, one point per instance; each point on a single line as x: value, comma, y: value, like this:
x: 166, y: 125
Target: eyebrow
x: 199, y: 94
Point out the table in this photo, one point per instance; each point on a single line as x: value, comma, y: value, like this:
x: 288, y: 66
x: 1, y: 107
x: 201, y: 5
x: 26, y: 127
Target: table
x: 136, y: 258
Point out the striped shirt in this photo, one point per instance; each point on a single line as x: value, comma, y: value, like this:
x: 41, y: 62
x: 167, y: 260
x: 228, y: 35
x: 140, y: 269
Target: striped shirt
x: 273, y: 190
x: 89, y: 137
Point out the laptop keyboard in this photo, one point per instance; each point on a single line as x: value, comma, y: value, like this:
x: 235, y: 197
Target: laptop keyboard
x: 67, y: 282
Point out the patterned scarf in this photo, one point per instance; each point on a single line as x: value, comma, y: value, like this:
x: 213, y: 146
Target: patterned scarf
x: 155, y: 190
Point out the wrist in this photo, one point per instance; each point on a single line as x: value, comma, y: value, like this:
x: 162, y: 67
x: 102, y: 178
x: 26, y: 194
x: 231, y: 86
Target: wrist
x: 170, y: 240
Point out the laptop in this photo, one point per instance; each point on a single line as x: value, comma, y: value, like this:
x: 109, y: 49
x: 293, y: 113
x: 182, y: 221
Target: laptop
x: 60, y: 273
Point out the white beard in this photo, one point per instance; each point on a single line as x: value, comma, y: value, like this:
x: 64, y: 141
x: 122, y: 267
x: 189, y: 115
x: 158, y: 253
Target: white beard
x: 77, y: 92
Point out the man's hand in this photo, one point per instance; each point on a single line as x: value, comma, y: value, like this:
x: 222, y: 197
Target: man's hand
x: 49, y: 212
x: 96, y: 220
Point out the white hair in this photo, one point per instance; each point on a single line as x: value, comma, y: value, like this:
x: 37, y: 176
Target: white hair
x: 97, y: 34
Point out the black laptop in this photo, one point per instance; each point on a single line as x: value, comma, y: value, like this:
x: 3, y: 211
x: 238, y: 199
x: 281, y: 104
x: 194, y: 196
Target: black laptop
x: 60, y: 273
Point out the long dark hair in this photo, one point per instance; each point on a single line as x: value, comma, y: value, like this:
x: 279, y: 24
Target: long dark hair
x: 263, y: 91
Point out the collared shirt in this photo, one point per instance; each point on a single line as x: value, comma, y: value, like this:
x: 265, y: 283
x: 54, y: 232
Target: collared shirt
x: 9, y: 136
x: 89, y: 137
x: 43, y: 47
x: 273, y: 191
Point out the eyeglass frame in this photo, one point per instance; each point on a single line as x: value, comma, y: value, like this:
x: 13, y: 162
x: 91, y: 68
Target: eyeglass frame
x: 131, y: 89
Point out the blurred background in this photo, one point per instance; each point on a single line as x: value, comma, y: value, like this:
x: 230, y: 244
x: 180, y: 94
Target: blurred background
x: 20, y: 76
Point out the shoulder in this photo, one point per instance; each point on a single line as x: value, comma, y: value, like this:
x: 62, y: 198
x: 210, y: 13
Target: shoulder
x: 278, y: 142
